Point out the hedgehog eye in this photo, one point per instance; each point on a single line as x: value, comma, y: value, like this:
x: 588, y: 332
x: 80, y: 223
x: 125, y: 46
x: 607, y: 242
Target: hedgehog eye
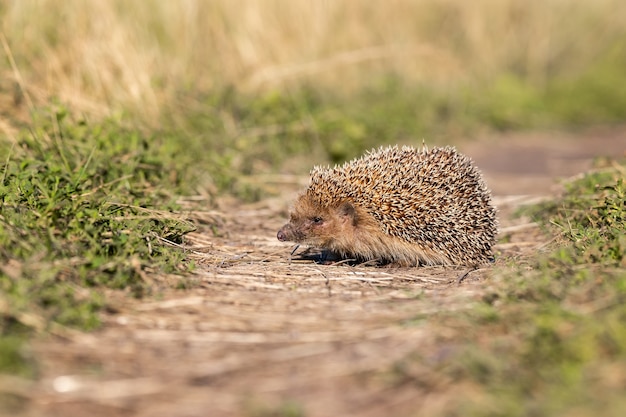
x: 317, y: 220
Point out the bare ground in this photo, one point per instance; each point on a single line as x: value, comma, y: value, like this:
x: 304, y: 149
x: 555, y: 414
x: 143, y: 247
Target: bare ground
x: 260, y: 334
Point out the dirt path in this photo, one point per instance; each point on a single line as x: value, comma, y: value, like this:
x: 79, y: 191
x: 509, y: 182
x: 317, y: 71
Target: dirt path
x: 260, y: 334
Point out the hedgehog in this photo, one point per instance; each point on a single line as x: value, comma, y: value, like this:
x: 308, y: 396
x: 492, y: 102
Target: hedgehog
x: 399, y: 206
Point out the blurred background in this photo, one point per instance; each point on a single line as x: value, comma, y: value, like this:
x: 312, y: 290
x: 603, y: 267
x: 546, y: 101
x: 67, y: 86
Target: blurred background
x: 235, y: 88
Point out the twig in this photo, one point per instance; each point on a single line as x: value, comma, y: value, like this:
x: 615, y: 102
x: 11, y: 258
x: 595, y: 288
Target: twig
x: 343, y: 261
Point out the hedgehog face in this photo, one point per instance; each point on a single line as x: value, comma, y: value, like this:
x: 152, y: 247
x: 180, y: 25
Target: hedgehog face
x: 317, y: 226
x: 304, y: 230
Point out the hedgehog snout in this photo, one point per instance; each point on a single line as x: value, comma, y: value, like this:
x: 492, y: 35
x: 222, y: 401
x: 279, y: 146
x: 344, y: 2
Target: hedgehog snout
x: 285, y: 233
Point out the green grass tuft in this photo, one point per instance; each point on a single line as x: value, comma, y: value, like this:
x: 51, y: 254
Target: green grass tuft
x: 83, y: 207
x: 592, y: 218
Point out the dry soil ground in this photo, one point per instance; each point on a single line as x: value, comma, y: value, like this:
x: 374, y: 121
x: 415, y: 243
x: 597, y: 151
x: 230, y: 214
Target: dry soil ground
x: 260, y: 333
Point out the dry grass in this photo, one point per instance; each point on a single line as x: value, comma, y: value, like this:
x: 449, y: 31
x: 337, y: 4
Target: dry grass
x: 105, y: 56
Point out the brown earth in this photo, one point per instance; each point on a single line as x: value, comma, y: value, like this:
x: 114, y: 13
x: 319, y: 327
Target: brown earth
x: 260, y: 335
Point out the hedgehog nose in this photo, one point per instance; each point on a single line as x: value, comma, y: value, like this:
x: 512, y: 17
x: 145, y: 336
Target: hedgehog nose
x: 285, y: 234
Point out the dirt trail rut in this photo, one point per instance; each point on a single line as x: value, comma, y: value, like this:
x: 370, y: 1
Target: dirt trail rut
x: 259, y: 332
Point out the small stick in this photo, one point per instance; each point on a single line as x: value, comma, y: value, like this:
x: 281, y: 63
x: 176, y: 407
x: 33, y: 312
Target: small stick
x: 463, y: 276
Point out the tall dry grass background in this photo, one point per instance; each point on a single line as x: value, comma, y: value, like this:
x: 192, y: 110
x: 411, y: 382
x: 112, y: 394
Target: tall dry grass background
x: 140, y: 56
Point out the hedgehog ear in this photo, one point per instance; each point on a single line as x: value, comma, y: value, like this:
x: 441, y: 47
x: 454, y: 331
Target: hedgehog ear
x: 347, y: 211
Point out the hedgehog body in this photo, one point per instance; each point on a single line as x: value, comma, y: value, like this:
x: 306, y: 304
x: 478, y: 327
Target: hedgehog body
x: 404, y: 206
